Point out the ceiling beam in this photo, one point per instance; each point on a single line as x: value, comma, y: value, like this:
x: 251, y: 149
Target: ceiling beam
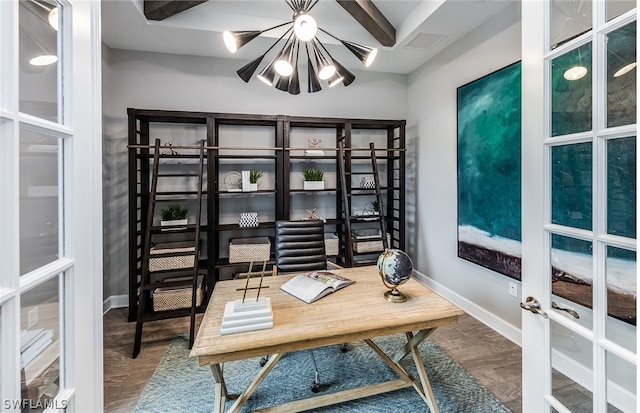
x: 161, y: 9
x: 367, y: 14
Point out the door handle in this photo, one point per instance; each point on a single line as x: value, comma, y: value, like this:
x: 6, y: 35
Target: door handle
x: 531, y: 304
x: 573, y: 313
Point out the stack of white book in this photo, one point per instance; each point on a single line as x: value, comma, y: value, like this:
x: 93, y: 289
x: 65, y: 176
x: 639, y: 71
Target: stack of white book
x: 251, y: 315
x: 32, y: 343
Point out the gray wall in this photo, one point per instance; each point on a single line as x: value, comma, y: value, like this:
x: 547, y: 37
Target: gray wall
x: 172, y: 82
x: 433, y: 126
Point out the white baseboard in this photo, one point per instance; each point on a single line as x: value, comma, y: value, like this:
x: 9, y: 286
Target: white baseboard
x: 489, y: 319
x: 115, y: 301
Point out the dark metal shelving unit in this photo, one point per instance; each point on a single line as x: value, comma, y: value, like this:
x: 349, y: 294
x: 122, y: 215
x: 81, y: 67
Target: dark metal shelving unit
x: 282, y: 157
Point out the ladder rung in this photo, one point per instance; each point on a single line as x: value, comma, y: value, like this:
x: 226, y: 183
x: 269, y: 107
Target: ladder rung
x: 165, y: 175
x: 183, y: 199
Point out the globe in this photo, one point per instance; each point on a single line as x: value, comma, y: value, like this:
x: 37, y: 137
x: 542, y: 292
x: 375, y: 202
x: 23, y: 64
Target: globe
x: 395, y: 268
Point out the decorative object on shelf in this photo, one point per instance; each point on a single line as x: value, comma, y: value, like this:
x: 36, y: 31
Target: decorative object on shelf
x: 172, y: 149
x: 173, y: 215
x: 249, y: 249
x: 314, y: 149
x: 331, y: 244
x: 233, y: 181
x: 172, y: 298
x: 160, y: 260
x: 245, y: 181
x: 312, y: 215
x: 395, y: 268
x: 313, y: 179
x: 253, y: 179
x: 248, y: 219
x: 285, y: 63
x: 367, y: 182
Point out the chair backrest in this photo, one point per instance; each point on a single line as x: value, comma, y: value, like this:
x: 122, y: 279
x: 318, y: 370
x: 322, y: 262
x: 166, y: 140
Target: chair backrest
x: 299, y: 246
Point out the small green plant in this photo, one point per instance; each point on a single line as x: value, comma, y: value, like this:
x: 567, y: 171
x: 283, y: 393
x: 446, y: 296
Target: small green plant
x: 174, y: 212
x: 254, y: 176
x: 313, y: 174
x: 375, y: 206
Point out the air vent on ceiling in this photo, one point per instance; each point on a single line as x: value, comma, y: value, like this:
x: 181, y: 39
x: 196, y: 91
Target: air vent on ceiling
x: 425, y: 41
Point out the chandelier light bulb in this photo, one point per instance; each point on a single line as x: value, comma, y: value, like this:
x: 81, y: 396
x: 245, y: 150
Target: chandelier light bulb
x: 44, y: 60
x: 230, y: 41
x: 305, y: 27
x: 575, y: 73
x: 371, y: 57
x: 327, y: 72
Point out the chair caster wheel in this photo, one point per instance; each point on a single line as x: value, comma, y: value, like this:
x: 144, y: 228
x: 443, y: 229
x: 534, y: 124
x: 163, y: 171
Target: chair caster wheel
x: 264, y: 360
x: 344, y: 348
x: 315, y: 387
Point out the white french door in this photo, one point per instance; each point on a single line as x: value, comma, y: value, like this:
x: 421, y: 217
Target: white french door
x: 579, y: 267
x: 50, y: 206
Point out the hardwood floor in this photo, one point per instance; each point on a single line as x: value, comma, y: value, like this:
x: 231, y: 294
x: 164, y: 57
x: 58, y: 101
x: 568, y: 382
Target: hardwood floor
x: 492, y: 359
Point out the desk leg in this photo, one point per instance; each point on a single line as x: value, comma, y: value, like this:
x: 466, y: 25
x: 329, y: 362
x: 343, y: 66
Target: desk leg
x: 273, y: 359
x: 220, y: 388
x: 430, y: 398
x: 422, y: 387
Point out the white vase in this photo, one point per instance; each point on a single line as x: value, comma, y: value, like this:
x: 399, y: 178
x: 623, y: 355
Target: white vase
x: 253, y: 187
x: 313, y: 185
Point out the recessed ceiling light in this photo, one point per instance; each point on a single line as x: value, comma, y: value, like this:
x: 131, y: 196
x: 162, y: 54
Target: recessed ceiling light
x: 44, y: 60
x: 575, y: 73
x: 626, y: 69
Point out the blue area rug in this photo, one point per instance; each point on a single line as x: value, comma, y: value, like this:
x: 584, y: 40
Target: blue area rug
x: 179, y: 385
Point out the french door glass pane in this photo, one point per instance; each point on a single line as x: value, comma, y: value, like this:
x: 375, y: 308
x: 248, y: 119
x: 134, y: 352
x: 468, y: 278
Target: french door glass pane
x: 569, y: 19
x: 571, y: 92
x: 571, y: 185
x: 572, y: 271
x: 621, y: 266
x: 40, y: 343
x: 39, y: 199
x: 621, y: 187
x: 38, y: 56
x: 617, y: 7
x: 570, y: 353
x: 621, y: 380
x: 621, y: 76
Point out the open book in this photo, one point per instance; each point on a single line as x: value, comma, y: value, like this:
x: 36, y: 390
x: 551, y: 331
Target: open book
x: 314, y: 285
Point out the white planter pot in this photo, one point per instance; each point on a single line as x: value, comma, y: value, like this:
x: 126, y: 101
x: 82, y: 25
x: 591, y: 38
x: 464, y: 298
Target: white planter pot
x: 253, y: 187
x: 172, y: 225
x: 313, y: 185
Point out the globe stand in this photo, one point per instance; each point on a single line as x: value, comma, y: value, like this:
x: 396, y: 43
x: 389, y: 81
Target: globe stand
x: 395, y: 296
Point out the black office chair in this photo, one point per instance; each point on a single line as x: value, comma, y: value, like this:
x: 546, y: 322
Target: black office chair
x: 299, y: 247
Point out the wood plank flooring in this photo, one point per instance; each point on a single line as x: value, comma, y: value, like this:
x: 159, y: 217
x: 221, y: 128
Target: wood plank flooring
x: 492, y: 359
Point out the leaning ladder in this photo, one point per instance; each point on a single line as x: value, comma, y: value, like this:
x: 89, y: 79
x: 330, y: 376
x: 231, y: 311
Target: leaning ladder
x: 348, y: 194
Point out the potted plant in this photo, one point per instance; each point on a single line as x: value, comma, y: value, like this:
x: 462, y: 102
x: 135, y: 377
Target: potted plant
x: 313, y: 179
x: 174, y: 214
x: 253, y: 179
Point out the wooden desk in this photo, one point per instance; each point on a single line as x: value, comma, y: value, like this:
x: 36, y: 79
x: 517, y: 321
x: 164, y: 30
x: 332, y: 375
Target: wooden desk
x: 358, y: 312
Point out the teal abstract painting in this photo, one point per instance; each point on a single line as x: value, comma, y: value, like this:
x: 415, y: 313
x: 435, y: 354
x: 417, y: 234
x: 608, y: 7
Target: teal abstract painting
x: 489, y: 171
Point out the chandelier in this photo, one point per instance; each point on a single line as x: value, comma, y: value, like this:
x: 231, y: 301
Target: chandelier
x: 301, y: 40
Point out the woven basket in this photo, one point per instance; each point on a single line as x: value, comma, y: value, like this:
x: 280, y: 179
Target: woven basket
x: 331, y: 244
x: 170, y: 262
x: 371, y: 246
x: 249, y: 249
x: 172, y: 298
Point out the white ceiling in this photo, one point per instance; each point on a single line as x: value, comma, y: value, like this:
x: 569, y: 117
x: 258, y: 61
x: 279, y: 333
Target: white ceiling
x: 423, y: 28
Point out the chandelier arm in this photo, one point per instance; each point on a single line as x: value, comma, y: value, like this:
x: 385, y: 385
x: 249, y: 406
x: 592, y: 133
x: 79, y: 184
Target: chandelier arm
x: 277, y: 41
x: 290, y: 4
x: 275, y: 27
x: 325, y: 49
x: 326, y: 32
x: 312, y: 5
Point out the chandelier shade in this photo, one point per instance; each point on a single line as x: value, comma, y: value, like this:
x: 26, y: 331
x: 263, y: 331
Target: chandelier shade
x: 303, y: 31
